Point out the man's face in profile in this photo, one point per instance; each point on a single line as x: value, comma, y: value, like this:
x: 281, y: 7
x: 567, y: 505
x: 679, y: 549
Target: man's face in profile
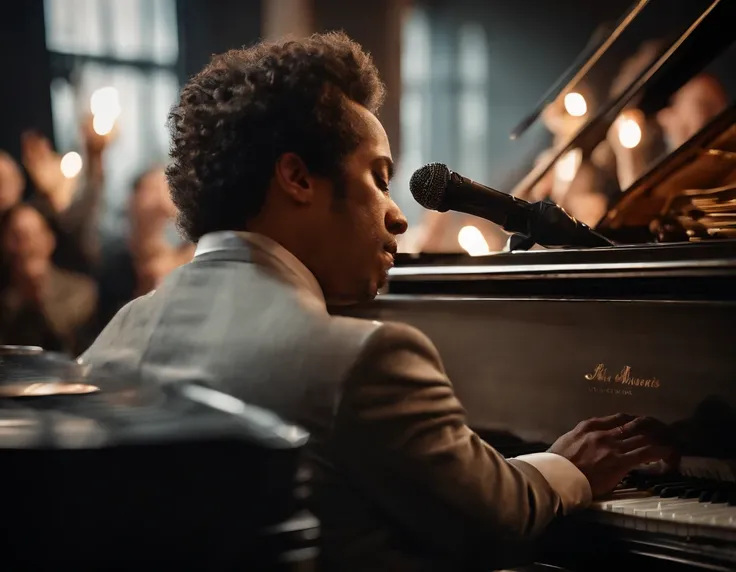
x: 360, y: 221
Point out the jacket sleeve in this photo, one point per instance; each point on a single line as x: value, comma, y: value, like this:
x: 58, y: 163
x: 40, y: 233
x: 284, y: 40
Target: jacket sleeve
x: 402, y: 434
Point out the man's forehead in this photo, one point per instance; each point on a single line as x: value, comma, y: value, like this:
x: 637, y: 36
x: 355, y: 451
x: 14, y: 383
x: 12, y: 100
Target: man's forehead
x: 372, y: 133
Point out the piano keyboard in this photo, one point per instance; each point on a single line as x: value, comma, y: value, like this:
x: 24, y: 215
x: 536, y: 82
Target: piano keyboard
x: 683, y: 507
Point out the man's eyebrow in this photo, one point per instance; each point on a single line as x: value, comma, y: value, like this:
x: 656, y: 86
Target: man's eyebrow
x: 388, y: 162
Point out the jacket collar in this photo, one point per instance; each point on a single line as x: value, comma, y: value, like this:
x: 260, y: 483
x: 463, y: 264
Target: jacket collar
x: 262, y: 250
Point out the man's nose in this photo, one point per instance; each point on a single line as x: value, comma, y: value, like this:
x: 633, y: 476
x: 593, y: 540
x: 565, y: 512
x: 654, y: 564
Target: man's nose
x: 396, y: 222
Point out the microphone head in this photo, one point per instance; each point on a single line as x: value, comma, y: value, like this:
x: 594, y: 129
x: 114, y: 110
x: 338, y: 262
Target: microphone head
x: 428, y: 185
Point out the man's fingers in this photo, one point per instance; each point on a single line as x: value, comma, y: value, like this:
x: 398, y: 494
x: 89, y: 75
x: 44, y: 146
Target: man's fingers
x: 649, y: 426
x: 635, y: 442
x: 608, y: 422
x: 635, y: 426
x: 648, y: 454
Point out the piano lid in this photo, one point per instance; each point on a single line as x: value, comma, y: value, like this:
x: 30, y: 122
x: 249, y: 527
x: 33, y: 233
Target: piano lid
x: 566, y: 83
x: 652, y: 53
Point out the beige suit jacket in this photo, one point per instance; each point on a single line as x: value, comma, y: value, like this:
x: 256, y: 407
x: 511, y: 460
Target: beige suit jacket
x: 400, y: 481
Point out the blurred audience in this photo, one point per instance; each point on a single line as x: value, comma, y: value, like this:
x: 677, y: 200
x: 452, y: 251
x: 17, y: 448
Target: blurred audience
x: 56, y: 289
x: 585, y: 184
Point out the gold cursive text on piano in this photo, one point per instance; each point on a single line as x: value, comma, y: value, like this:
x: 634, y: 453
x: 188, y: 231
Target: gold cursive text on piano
x: 624, y: 377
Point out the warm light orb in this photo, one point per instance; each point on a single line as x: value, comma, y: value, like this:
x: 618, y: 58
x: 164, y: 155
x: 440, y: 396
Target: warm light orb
x: 575, y: 104
x: 567, y: 166
x: 105, y: 101
x: 472, y: 241
x: 105, y: 107
x: 629, y: 132
x: 71, y: 164
x: 103, y: 124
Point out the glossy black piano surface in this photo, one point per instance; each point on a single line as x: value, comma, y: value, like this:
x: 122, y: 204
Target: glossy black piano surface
x: 679, y: 271
x: 535, y: 341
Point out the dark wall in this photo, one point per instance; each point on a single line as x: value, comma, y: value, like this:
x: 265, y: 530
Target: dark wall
x: 25, y: 99
x: 214, y: 26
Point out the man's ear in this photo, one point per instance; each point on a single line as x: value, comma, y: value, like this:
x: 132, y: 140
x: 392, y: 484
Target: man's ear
x: 293, y: 177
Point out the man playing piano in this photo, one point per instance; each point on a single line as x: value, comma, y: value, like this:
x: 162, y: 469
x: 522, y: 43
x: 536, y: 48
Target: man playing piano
x: 281, y: 175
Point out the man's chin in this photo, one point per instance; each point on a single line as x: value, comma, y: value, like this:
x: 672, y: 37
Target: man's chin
x: 358, y: 297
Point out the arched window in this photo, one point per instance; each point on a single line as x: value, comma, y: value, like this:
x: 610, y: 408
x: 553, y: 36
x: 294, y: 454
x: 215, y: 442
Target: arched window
x: 472, y: 102
x: 445, y: 99
x: 416, y: 131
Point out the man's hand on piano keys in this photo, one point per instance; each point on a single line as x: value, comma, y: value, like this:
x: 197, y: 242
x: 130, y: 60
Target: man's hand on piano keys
x: 605, y: 449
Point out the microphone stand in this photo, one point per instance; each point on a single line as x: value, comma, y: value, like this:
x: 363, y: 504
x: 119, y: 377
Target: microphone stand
x: 549, y: 225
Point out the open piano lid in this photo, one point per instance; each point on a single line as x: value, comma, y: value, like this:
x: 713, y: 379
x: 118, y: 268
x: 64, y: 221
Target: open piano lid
x: 681, y: 195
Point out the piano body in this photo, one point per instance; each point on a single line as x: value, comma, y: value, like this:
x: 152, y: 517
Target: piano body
x: 536, y: 341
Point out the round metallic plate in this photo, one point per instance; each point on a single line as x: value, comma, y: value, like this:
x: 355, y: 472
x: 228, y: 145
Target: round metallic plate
x: 44, y: 389
x: 20, y: 350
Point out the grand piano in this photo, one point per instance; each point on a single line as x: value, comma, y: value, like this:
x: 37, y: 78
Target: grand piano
x: 537, y: 339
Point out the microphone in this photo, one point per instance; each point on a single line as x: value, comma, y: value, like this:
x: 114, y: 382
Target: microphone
x: 437, y: 188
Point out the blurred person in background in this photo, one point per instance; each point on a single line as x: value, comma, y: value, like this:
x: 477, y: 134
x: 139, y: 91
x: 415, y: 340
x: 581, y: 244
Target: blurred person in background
x: 154, y: 245
x: 151, y: 249
x: 70, y: 204
x: 563, y: 126
x: 619, y: 161
x: 695, y: 104
x: 41, y: 304
x: 12, y: 182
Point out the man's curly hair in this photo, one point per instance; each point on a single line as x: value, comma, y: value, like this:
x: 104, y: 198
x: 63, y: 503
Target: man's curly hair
x: 249, y: 106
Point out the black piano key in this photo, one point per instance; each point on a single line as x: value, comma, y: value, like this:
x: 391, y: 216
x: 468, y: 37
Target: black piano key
x: 719, y: 496
x: 691, y: 493
x: 657, y: 489
x: 647, y: 482
x: 671, y: 492
x: 706, y: 495
x: 732, y: 498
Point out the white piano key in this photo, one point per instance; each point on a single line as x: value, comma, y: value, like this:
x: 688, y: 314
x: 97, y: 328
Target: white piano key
x: 630, y: 508
x: 662, y: 526
x: 705, y: 516
x: 613, y: 503
x: 652, y: 504
x: 685, y: 510
x: 624, y: 506
x: 663, y: 508
x: 727, y: 519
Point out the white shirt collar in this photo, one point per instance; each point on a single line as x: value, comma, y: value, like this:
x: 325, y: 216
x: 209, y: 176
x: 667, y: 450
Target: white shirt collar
x: 267, y: 252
